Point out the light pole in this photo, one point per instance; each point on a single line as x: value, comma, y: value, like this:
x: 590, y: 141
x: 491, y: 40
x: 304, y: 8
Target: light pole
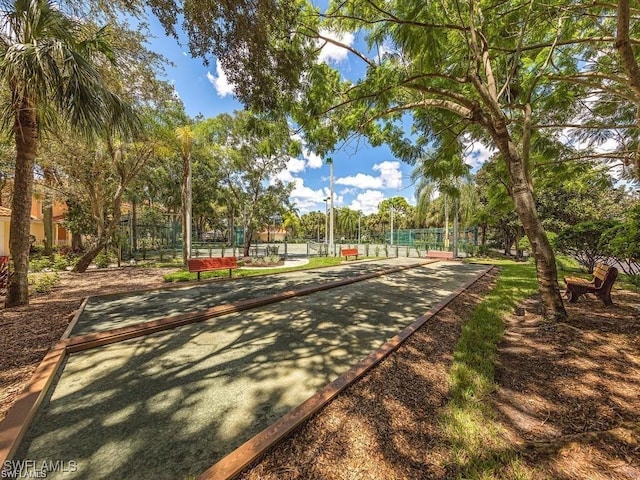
x: 330, y: 162
x: 359, y: 236
x: 392, y: 225
x: 326, y: 220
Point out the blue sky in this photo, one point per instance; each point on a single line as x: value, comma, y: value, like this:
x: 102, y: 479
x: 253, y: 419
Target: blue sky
x: 363, y: 175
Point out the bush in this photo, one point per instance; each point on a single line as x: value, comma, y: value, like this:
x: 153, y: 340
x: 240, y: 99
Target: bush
x: 582, y: 242
x: 525, y: 245
x: 60, y: 262
x: 44, y: 283
x: 102, y: 260
x: 622, y: 242
x: 40, y: 264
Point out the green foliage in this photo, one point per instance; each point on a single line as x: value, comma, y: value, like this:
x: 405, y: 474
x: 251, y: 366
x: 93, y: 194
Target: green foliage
x: 43, y: 282
x: 567, y: 264
x: 525, y: 245
x: 583, y: 242
x: 60, y: 262
x: 102, y: 260
x: 623, y: 243
x: 78, y: 218
x: 38, y: 264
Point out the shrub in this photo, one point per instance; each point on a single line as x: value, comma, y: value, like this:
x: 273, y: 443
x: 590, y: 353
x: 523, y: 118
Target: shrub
x: 525, y: 244
x: 44, y: 283
x: 622, y: 242
x: 582, y: 241
x: 40, y: 264
x: 60, y: 262
x: 102, y: 260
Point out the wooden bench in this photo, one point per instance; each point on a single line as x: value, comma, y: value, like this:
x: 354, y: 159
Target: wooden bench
x: 600, y: 284
x: 349, y: 252
x: 213, y: 263
x: 440, y: 254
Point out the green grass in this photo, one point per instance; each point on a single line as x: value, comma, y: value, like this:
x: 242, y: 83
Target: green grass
x: 478, y: 451
x: 314, y: 262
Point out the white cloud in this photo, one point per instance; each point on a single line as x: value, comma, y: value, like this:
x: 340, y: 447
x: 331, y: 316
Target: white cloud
x: 390, y: 174
x: 221, y: 84
x: 337, y: 199
x: 360, y: 180
x: 476, y: 154
x: 330, y: 52
x: 306, y: 199
x: 313, y: 160
x: 294, y: 165
x: 390, y: 177
x: 367, y: 201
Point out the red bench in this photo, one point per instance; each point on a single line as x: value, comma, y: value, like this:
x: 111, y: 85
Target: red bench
x: 440, y: 254
x: 213, y: 263
x: 349, y: 252
x: 603, y: 278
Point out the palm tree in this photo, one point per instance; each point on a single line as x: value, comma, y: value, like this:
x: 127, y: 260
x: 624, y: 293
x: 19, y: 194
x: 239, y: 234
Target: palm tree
x: 445, y: 172
x: 347, y: 222
x: 185, y: 138
x: 48, y: 64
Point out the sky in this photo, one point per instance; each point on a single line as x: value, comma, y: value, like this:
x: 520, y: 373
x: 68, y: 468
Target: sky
x: 363, y: 175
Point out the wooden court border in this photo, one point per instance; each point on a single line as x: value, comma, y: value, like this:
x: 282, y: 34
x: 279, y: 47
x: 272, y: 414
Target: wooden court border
x: 235, y: 462
x: 21, y: 414
x: 194, y: 283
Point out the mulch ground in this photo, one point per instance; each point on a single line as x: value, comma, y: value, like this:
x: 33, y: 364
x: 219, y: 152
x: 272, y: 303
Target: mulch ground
x: 27, y: 333
x: 569, y: 393
x: 568, y: 396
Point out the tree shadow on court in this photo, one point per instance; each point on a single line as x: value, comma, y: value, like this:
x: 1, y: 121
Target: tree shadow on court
x: 171, y: 404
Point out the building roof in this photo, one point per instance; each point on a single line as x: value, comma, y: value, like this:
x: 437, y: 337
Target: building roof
x: 6, y: 212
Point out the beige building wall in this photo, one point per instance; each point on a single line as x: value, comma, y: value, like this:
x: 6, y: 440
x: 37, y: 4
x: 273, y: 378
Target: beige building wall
x: 4, y: 236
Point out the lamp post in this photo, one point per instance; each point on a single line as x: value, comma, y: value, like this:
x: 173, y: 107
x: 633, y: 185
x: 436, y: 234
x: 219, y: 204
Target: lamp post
x: 326, y: 220
x: 391, y: 224
x: 330, y: 162
x: 359, y: 236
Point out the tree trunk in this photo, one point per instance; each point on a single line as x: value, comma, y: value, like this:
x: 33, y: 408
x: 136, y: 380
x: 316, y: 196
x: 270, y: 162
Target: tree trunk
x: 48, y: 212
x: 48, y: 229
x: 629, y: 63
x: 26, y: 138
x: 186, y: 208
x: 134, y: 226
x: 247, y: 241
x: 522, y: 194
x: 88, y: 257
x: 76, y: 242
